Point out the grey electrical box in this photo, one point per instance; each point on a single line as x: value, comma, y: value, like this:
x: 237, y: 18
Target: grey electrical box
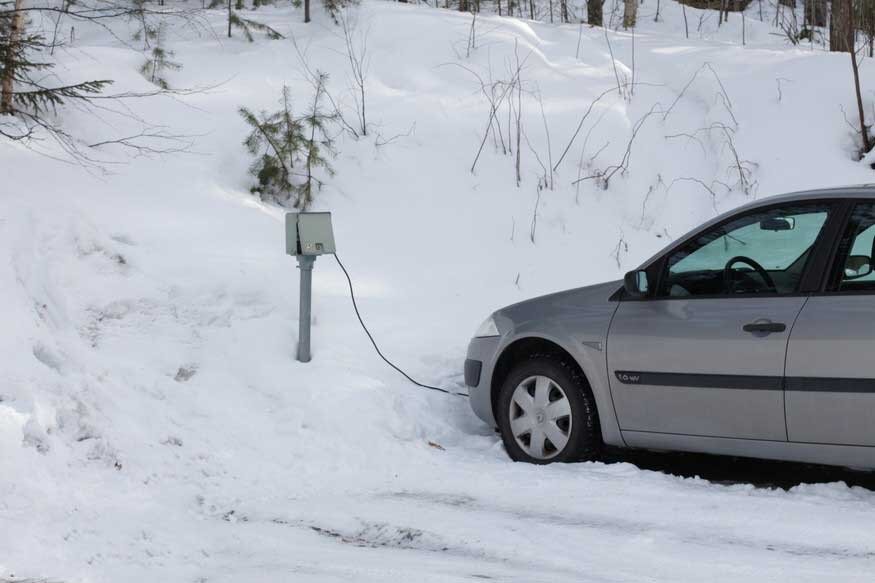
x: 309, y: 234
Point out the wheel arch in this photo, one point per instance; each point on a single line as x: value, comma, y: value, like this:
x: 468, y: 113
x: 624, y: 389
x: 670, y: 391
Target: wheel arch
x: 523, y: 348
x: 532, y: 344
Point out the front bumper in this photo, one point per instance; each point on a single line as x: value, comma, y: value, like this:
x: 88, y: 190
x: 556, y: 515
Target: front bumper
x: 482, y: 354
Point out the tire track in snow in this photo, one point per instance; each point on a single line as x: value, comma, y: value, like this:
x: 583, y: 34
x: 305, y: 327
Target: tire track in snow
x: 385, y: 536
x: 625, y: 527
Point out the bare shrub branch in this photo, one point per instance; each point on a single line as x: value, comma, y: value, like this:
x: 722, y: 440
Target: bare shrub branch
x: 603, y: 178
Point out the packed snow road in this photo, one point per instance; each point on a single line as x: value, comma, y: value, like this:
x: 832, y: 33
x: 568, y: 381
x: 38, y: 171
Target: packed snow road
x: 593, y: 523
x: 462, y: 512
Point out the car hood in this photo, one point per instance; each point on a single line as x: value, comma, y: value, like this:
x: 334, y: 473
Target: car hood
x: 569, y: 303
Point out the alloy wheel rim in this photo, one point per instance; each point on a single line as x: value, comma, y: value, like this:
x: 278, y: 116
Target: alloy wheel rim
x: 540, y: 417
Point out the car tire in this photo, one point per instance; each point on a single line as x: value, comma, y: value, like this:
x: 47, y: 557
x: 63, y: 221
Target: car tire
x: 546, y: 399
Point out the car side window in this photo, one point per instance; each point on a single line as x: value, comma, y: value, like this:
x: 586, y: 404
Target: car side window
x: 857, y: 250
x: 762, y: 252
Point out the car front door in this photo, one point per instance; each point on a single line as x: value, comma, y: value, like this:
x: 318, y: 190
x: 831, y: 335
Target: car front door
x: 704, y: 354
x: 830, y: 387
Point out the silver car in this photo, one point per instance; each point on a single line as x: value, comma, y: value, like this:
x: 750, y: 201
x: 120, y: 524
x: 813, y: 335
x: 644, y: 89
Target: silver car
x: 753, y: 335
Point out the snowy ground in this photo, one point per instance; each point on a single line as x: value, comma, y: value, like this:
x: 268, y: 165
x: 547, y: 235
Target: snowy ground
x: 154, y: 424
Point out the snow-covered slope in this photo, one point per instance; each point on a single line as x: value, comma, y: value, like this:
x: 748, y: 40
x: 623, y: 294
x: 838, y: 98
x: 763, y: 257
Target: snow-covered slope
x: 154, y: 424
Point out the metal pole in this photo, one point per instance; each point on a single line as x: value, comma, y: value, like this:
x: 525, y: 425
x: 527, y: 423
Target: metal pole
x: 305, y: 264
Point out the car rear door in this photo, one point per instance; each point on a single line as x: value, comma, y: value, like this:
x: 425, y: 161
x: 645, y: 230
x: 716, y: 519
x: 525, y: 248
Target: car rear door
x: 830, y: 385
x: 704, y: 356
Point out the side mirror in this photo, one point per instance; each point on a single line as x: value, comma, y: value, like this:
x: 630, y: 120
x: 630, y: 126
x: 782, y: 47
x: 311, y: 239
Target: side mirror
x: 857, y: 266
x: 637, y: 284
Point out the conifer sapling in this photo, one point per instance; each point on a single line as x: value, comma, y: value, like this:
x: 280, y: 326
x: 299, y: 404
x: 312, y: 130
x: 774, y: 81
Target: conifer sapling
x: 290, y: 150
x: 159, y: 62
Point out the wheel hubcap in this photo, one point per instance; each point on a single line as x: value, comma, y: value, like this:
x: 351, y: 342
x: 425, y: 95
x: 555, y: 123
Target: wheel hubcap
x: 540, y: 417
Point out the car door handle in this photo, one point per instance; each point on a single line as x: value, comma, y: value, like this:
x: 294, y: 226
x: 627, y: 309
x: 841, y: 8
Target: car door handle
x: 767, y: 327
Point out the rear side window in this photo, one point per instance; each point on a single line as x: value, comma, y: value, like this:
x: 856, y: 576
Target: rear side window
x: 855, y: 269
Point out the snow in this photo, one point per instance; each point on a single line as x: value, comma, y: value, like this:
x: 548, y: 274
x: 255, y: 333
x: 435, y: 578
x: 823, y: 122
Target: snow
x: 154, y: 424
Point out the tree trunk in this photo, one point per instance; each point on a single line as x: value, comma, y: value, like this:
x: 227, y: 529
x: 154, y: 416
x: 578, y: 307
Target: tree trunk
x: 788, y: 3
x: 630, y: 13
x: 848, y: 8
x: 7, y: 84
x: 306, y: 10
x: 820, y: 12
x: 864, y: 130
x: 841, y: 27
x: 866, y: 18
x: 686, y: 24
x: 815, y: 12
x: 594, y: 12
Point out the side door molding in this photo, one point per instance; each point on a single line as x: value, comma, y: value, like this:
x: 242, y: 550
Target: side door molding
x: 702, y: 381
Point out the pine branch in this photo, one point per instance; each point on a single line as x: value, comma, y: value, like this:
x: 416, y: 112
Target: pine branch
x: 45, y: 98
x: 247, y: 25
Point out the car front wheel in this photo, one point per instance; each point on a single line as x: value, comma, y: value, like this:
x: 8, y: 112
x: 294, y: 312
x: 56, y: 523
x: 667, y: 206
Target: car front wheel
x: 546, y: 413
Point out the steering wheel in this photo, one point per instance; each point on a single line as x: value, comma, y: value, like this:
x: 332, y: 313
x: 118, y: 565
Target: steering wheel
x: 729, y: 283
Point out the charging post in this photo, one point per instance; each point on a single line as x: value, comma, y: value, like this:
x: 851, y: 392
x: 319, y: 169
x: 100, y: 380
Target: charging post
x: 308, y: 235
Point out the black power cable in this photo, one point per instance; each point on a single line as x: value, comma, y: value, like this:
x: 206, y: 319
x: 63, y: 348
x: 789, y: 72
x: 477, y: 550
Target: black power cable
x: 374, y: 342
